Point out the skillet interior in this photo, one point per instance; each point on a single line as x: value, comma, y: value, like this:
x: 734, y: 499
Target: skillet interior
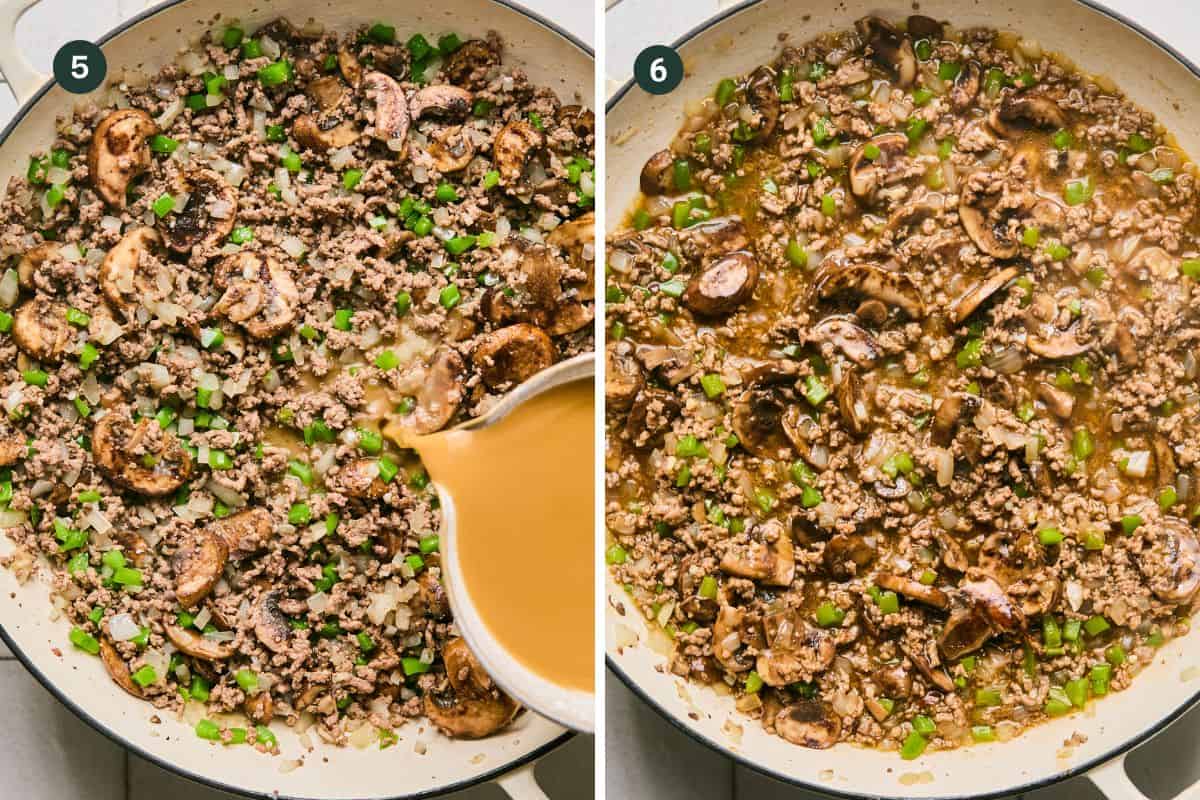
x: 551, y: 58
x: 639, y: 125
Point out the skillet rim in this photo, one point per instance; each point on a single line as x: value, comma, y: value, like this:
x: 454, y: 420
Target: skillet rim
x: 110, y: 733
x: 1083, y: 768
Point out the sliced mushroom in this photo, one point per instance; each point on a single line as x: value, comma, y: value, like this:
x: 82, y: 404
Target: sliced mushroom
x: 966, y: 86
x: 440, y: 394
x: 846, y: 554
x: 922, y: 27
x: 40, y: 329
x: 472, y: 63
x: 894, y: 680
x: 119, y: 153
x: 868, y: 175
x: 852, y: 403
x: 986, y: 612
x: 451, y: 149
x: 622, y: 376
x: 650, y: 416
x: 198, y: 565
x: 763, y: 97
x: 117, y: 669
x: 893, y: 288
x: 809, y: 723
x: 260, y: 708
x: 1016, y: 113
x: 513, y: 355
x: 767, y: 557
x: 326, y: 132
x: 140, y: 456
x: 673, y: 364
x: 193, y: 644
x: 123, y: 280
x: 473, y: 707
x: 728, y: 639
x: 350, y: 66
x: 259, y: 293
x: 977, y: 295
x: 994, y: 239
x: 914, y: 590
x: 1054, y: 344
x: 246, y: 532
x: 758, y: 412
x: 391, y: 109
x: 33, y: 259
x: 796, y: 652
x: 12, y: 447
x: 431, y: 596
x: 581, y: 121
x: 656, y: 176
x: 692, y: 604
x: 1060, y: 402
x: 441, y: 101
x: 950, y: 413
x: 928, y: 667
x: 722, y: 286
x: 1170, y: 561
x: 951, y: 551
x: 512, y: 148
x: 196, y: 227
x: 855, y: 343
x: 889, y: 49
x: 270, y: 625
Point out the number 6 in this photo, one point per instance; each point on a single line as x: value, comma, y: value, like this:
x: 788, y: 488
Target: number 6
x: 658, y: 70
x: 79, y: 67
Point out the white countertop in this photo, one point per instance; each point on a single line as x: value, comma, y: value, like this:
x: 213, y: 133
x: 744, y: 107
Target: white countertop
x: 648, y: 759
x: 47, y: 753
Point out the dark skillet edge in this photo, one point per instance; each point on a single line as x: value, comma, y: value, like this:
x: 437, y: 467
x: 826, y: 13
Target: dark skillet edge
x: 112, y: 735
x: 1078, y: 770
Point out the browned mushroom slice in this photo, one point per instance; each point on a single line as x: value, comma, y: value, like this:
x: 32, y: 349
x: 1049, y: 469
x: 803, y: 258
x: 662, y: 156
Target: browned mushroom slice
x: 1054, y: 344
x: 197, y: 225
x: 894, y: 680
x: 758, y: 412
x: 270, y: 625
x: 140, y: 456
x: 853, y: 404
x: 987, y: 611
x: 846, y: 554
x: 1017, y: 113
x: 473, y: 707
x: 33, y: 259
x: 440, y: 393
x: 1060, y: 402
x: 889, y: 49
x: 193, y: 643
x: 40, y: 329
x: 577, y: 239
x: 914, y: 590
x: 950, y: 412
x: 650, y: 416
x: 512, y: 148
x: 441, y: 101
x: 122, y: 279
x: 966, y: 86
x: 763, y: 97
x: 809, y: 723
x: 259, y: 293
x: 325, y: 132
x: 622, y: 376
x: 887, y: 286
x: 1170, y: 561
x: 855, y: 343
x: 712, y: 239
x: 951, y: 551
x: 117, y: 669
x: 198, y: 565
x: 119, y: 152
x: 471, y: 64
x: 692, y: 604
x: 673, y: 364
x: 722, y: 286
x: 792, y: 650
x: 391, y: 119
x: 993, y: 238
x: 656, y: 174
x: 868, y: 175
x: 260, y: 708
x: 581, y: 121
x: 431, y: 600
x: 927, y: 666
x: 767, y: 557
x: 513, y: 355
x: 246, y: 532
x: 451, y: 149
x: 728, y: 639
x: 350, y: 66
x: 977, y: 295
x: 12, y: 447
x: 359, y: 478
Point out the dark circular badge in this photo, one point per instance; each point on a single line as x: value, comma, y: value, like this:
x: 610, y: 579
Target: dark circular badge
x: 658, y: 69
x: 80, y: 67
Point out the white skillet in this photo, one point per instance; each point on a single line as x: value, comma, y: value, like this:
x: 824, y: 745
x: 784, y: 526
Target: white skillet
x: 638, y: 125
x: 552, y: 58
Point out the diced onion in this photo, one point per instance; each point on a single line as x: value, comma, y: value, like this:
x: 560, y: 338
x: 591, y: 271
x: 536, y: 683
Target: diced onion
x: 123, y: 627
x: 9, y: 288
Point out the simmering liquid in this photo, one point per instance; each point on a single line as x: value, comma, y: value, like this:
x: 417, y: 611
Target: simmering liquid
x: 522, y: 488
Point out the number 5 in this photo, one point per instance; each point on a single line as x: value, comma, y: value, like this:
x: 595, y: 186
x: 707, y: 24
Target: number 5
x: 658, y: 70
x: 79, y: 67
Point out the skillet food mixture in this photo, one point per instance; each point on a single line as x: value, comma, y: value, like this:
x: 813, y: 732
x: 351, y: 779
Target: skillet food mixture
x: 902, y: 428
x: 216, y: 292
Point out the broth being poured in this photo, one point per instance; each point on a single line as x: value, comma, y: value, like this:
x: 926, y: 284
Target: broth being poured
x: 522, y: 492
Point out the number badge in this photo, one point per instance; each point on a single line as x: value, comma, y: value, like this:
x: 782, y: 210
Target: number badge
x: 80, y: 67
x: 658, y: 69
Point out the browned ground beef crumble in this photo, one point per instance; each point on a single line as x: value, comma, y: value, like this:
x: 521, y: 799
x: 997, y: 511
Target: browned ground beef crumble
x: 902, y: 408
x: 218, y: 290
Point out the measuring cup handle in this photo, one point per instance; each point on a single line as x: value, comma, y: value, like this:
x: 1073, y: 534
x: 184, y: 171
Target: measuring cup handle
x: 18, y: 73
x: 521, y: 785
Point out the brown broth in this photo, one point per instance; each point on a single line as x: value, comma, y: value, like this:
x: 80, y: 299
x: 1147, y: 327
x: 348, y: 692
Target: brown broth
x: 522, y: 489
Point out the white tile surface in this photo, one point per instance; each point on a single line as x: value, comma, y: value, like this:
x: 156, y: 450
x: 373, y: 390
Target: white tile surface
x: 47, y: 753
